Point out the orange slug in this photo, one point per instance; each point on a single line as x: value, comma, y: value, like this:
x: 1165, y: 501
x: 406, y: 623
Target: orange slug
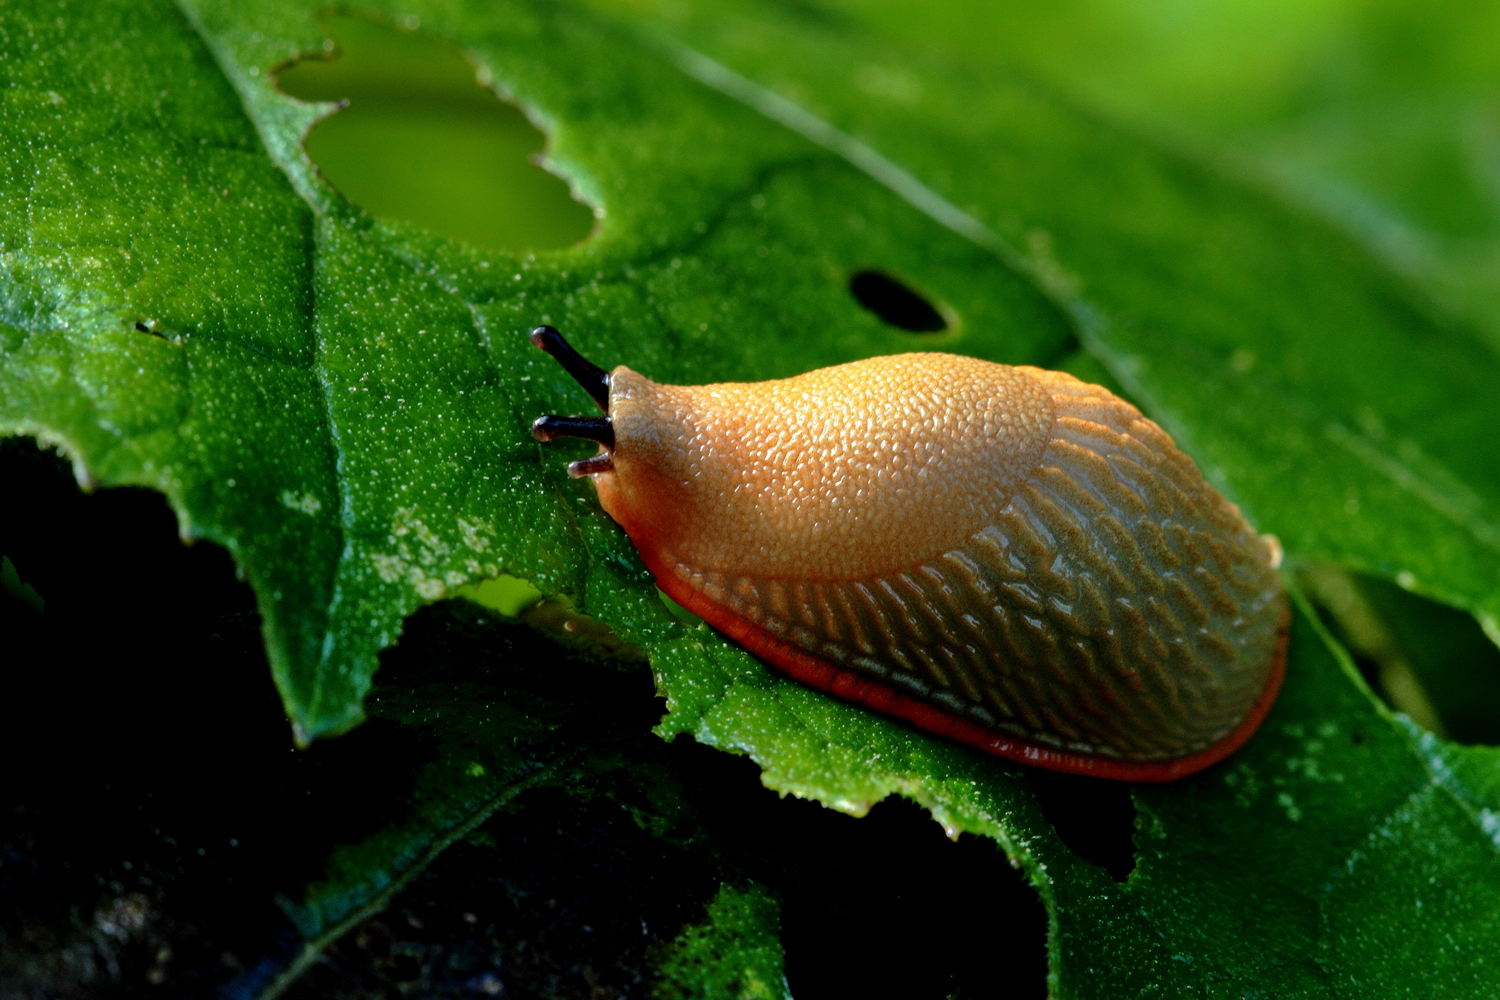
x: 1005, y: 556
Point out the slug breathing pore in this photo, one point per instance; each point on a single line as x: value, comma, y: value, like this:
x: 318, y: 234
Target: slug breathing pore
x: 1005, y: 556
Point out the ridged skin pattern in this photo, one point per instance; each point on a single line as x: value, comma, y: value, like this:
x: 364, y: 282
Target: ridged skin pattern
x: 1011, y: 545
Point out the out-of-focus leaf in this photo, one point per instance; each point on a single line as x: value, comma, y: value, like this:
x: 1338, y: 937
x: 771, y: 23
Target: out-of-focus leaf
x: 421, y: 140
x: 1382, y: 115
x: 1427, y: 660
x: 734, y: 954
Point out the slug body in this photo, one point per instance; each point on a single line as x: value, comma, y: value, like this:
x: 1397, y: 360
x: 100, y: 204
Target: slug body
x: 1003, y: 555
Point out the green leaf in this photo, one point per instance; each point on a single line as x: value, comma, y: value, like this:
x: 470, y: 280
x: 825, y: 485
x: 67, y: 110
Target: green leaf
x: 428, y: 145
x: 1427, y: 660
x: 1376, y: 114
x: 343, y: 402
x: 734, y: 954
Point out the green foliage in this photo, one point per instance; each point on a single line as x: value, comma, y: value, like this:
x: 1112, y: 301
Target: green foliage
x: 734, y: 954
x: 1427, y: 660
x: 446, y: 153
x: 342, y: 402
x: 1377, y: 114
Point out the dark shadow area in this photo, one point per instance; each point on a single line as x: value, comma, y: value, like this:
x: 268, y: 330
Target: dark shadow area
x: 1426, y: 659
x: 884, y: 905
x: 895, y: 304
x: 144, y: 802
x: 423, y: 141
x: 154, y: 805
x: 562, y: 896
x: 567, y: 896
x: 1094, y: 818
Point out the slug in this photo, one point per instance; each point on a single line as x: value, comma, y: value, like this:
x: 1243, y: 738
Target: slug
x: 1006, y: 556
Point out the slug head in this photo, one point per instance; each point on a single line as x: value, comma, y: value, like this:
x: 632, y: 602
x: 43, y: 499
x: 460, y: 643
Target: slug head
x: 841, y: 473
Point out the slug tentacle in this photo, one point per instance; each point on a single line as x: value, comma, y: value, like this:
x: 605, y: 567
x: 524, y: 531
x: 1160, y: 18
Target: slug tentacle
x: 595, y: 380
x: 598, y: 429
x: 1006, y: 556
x: 591, y: 466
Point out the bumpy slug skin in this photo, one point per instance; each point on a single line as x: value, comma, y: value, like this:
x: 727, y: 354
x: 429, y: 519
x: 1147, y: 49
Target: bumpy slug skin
x: 1006, y: 556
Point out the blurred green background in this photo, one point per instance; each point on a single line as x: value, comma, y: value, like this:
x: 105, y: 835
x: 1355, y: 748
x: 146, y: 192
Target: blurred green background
x: 421, y: 140
x: 1383, y: 115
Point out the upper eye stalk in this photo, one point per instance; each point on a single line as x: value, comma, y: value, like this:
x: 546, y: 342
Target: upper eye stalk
x: 595, y: 381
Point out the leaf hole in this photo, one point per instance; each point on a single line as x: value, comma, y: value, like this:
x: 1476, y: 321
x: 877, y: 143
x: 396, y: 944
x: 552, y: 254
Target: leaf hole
x: 1423, y: 658
x: 423, y: 137
x: 895, y: 304
x: 555, y: 617
x: 150, y: 328
x: 1094, y: 818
